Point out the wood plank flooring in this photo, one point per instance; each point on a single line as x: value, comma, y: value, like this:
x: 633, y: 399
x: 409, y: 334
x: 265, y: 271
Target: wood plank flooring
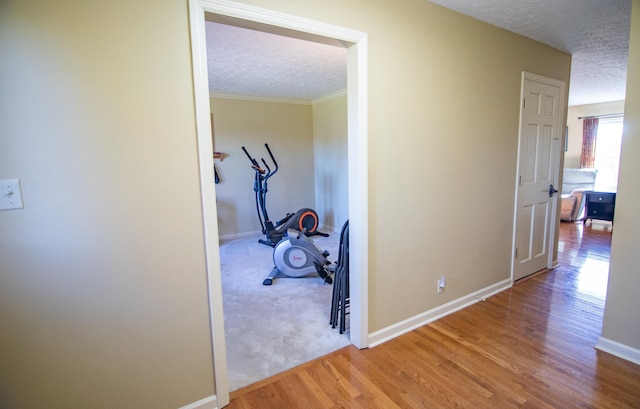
x: 529, y: 347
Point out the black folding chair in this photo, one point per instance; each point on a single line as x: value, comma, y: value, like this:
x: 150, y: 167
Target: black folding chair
x: 340, y: 302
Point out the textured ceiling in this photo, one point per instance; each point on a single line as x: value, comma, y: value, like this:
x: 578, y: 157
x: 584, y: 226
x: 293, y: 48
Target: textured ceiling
x: 259, y: 64
x: 254, y: 63
x: 595, y: 32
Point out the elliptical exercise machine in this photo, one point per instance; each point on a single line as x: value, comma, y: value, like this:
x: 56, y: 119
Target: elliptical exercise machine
x: 304, y: 220
x: 294, y: 254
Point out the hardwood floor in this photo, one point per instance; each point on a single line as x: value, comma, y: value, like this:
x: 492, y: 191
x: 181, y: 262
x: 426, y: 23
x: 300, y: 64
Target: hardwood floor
x: 528, y: 347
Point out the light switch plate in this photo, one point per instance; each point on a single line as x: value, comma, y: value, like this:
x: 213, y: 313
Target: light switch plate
x: 10, y: 194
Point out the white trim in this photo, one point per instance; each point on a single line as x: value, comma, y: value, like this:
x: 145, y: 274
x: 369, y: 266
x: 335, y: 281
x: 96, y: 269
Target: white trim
x: 210, y: 402
x: 209, y: 207
x: 358, y: 168
x: 332, y: 229
x: 258, y: 233
x: 330, y: 96
x: 319, y: 100
x: 514, y: 237
x: 620, y: 350
x: 426, y: 317
x: 562, y: 122
x: 219, y: 95
x: 275, y: 18
x: 358, y: 165
x: 234, y: 236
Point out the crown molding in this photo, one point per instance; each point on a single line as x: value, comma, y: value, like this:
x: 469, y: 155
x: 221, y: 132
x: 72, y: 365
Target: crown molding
x: 217, y: 95
x: 329, y: 97
x: 319, y: 100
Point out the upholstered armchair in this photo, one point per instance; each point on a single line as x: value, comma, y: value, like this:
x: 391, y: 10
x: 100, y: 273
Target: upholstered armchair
x: 574, y: 183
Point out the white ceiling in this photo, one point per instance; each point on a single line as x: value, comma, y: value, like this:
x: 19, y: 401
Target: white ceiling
x: 596, y: 32
x: 259, y: 64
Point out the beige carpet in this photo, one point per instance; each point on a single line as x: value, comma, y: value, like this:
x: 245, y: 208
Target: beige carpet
x: 270, y: 329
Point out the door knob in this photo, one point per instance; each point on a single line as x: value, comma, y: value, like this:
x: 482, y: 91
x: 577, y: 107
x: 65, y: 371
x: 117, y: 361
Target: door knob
x: 552, y: 190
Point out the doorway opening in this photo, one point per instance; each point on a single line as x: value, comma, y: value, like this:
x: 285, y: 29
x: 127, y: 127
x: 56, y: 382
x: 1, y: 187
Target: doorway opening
x: 356, y: 43
x: 270, y: 329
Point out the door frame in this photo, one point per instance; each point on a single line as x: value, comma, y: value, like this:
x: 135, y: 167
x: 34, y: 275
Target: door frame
x: 551, y: 261
x: 357, y: 94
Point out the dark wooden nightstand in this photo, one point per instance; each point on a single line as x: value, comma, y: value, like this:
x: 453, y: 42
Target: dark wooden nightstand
x: 599, y: 205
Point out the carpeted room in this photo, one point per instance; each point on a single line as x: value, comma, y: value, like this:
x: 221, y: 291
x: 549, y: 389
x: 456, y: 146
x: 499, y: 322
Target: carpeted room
x: 269, y: 329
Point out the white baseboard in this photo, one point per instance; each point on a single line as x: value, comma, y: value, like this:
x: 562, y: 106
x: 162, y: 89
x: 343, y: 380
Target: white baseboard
x: 210, y: 402
x: 241, y: 235
x: 620, y: 350
x: 258, y: 233
x: 426, y: 317
x: 331, y: 229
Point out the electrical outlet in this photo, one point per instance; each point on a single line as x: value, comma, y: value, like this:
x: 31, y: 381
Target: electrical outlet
x: 441, y: 284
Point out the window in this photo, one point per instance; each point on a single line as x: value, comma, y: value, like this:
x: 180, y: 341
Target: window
x: 607, y: 160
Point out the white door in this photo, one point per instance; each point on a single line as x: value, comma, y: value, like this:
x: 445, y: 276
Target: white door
x: 541, y: 124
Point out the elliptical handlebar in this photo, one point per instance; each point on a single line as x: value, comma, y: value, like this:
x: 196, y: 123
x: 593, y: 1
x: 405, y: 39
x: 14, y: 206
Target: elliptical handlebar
x: 266, y: 145
x: 268, y: 169
x: 254, y: 163
x: 266, y: 174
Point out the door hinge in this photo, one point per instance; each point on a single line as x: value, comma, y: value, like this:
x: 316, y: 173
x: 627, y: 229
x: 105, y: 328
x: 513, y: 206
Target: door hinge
x: 516, y: 253
x: 520, y: 180
x: 524, y: 103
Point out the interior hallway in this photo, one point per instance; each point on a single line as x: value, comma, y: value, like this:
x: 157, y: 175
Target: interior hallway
x: 529, y: 346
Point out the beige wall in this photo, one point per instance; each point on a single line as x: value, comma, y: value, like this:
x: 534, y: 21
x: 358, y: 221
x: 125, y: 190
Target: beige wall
x: 330, y: 150
x: 103, y: 292
x: 574, y: 145
x: 288, y: 129
x: 620, y: 322
x: 444, y: 96
x: 103, y: 287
